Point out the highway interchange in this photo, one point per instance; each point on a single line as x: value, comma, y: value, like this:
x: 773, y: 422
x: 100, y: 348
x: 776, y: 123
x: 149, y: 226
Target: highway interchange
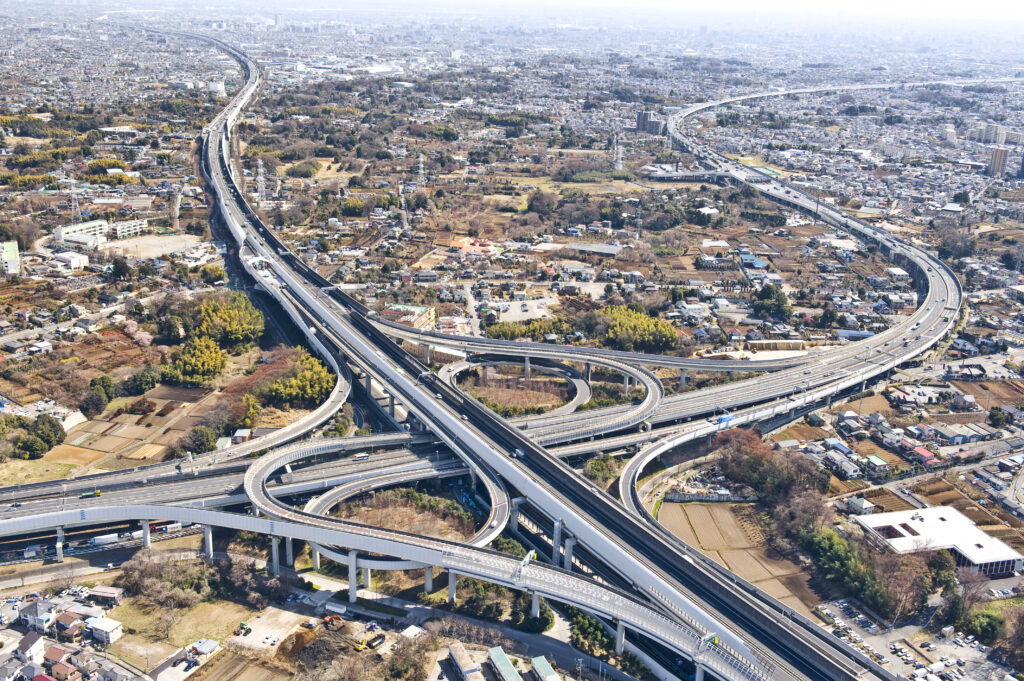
x: 675, y: 597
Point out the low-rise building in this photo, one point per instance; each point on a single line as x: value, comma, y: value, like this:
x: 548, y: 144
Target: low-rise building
x: 942, y: 528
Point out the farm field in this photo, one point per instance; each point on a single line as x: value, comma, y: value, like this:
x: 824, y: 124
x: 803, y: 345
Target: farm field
x: 731, y: 535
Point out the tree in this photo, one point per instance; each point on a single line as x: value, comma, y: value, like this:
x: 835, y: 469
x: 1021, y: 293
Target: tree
x: 200, y: 439
x: 92, y: 403
x: 542, y: 203
x: 105, y: 385
x: 198, y: 361
x: 121, y: 270
x: 49, y: 430
x: 986, y: 626
x: 997, y: 417
x: 962, y: 197
x: 771, y: 301
x: 230, y: 320
x: 828, y: 317
x: 31, y: 446
x: 214, y: 273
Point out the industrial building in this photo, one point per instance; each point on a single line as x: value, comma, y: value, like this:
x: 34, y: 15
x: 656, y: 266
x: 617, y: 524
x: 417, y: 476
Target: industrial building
x: 941, y: 528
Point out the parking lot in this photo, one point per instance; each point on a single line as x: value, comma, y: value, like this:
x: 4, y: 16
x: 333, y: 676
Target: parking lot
x: 952, y: 657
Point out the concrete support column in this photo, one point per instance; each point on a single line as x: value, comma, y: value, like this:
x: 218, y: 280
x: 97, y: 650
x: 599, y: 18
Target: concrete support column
x: 699, y: 674
x: 620, y: 637
x: 570, y: 544
x: 289, y: 553
x: 288, y: 470
x: 586, y: 371
x: 682, y: 377
x: 428, y: 579
x: 315, y: 556
x: 60, y: 545
x: 275, y: 555
x: 146, y: 541
x: 391, y: 405
x: 556, y: 541
x: 367, y: 579
x: 353, y: 577
x: 535, y: 604
x: 625, y: 383
x: 208, y: 540
x: 426, y: 354
x: 526, y: 366
x: 453, y: 580
x: 366, y: 384
x: 513, y: 517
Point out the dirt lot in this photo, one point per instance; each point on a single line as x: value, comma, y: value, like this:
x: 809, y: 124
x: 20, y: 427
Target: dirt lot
x: 990, y: 394
x: 72, y: 455
x: 152, y: 245
x: 273, y: 623
x: 731, y: 535
x: 228, y: 666
x: 837, y: 487
x: 804, y: 432
x: 868, y: 405
x: 886, y: 501
x: 867, y: 447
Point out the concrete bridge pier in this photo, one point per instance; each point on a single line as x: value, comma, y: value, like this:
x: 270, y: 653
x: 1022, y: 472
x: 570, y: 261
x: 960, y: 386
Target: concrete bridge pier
x: 353, y: 576
x: 556, y: 541
x: 453, y: 580
x: 146, y: 541
x: 275, y: 555
x: 625, y: 384
x: 428, y: 579
x: 60, y: 545
x: 426, y: 355
x: 570, y: 544
x: 699, y: 674
x: 367, y: 578
x: 526, y: 367
x: 289, y: 553
x: 391, y: 405
x: 207, y: 540
x: 535, y: 604
x: 513, y: 517
x: 682, y: 377
x: 288, y: 470
x: 586, y: 371
x: 366, y: 384
x: 315, y: 556
x: 620, y: 637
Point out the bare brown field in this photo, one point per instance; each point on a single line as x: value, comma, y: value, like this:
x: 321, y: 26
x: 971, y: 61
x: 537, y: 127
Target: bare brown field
x: 228, y: 666
x: 867, y: 447
x: 730, y: 535
x: 990, y: 394
x: 804, y: 432
x: 74, y: 455
x: 886, y: 500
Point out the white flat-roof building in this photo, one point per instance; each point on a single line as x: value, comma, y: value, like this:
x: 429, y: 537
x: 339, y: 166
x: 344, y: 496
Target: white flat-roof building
x: 941, y: 528
x: 74, y: 261
x: 897, y: 273
x: 95, y: 232
x: 11, y: 257
x: 90, y: 228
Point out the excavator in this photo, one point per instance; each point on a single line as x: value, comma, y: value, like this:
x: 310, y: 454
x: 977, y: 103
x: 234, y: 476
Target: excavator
x: 333, y: 622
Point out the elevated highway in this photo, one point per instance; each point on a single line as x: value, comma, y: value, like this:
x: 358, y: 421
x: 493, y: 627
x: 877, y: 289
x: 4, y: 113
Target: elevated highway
x: 754, y: 640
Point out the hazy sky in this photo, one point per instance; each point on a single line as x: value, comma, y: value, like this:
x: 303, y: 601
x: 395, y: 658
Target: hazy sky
x: 899, y: 15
